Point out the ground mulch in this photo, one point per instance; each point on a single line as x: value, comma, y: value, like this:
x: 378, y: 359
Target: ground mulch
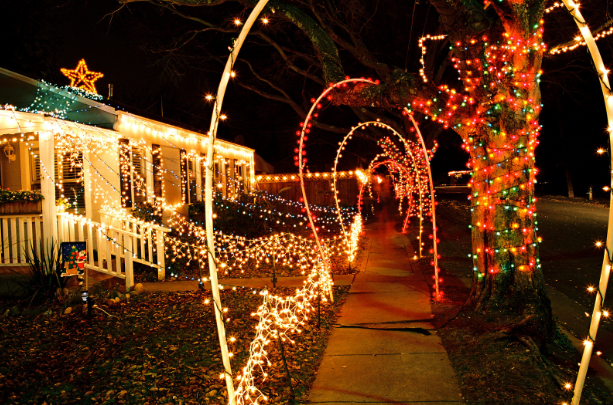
x: 150, y: 349
x: 500, y: 369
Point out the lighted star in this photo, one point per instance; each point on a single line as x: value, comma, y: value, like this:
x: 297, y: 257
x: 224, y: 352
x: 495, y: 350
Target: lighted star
x: 82, y: 78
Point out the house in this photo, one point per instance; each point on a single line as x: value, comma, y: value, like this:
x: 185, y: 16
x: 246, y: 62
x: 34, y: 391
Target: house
x: 103, y: 155
x: 70, y: 145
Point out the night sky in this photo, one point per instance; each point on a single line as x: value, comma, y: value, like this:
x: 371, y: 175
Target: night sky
x: 42, y: 36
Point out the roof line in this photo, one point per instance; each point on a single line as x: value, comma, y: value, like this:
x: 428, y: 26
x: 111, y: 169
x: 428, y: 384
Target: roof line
x: 56, y: 89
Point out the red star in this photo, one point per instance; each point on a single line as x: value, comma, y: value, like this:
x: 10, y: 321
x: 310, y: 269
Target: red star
x: 82, y: 78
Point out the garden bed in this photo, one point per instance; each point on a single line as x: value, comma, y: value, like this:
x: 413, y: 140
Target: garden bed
x: 499, y: 369
x: 154, y: 348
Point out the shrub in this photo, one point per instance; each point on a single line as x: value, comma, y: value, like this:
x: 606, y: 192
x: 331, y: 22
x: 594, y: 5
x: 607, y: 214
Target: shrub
x: 147, y: 212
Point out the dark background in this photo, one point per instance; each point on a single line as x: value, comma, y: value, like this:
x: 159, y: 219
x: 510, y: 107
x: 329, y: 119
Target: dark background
x: 42, y: 36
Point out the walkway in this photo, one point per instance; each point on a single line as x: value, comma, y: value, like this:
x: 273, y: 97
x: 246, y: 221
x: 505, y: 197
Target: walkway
x: 384, y: 349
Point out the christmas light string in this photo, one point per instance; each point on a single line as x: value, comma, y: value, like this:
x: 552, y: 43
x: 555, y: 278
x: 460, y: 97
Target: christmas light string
x: 578, y: 41
x: 82, y: 77
x: 422, y: 60
x: 278, y: 317
x: 434, y: 238
x: 412, y: 165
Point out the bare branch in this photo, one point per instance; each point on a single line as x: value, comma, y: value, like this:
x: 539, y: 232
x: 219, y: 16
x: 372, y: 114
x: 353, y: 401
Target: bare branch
x: 287, y: 99
x: 357, y: 49
x: 289, y: 63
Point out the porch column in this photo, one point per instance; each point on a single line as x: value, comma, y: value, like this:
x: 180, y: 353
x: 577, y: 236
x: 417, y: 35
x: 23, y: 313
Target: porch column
x: 47, y: 187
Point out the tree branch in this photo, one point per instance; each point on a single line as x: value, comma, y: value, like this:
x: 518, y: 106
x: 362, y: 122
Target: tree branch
x: 289, y: 63
x: 287, y: 99
x: 358, y: 49
x: 295, y: 107
x: 407, y: 89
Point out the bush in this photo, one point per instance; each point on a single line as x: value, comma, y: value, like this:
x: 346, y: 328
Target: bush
x: 243, y: 217
x: 147, y: 212
x: 45, y: 273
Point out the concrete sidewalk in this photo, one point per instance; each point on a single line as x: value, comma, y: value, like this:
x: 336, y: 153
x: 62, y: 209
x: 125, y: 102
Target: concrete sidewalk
x: 384, y: 350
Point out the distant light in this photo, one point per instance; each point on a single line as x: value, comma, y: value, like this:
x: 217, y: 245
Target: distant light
x: 600, y: 151
x: 606, y: 188
x: 598, y: 244
x: 265, y: 20
x: 209, y: 97
x: 233, y: 74
x: 223, y: 117
x: 237, y: 21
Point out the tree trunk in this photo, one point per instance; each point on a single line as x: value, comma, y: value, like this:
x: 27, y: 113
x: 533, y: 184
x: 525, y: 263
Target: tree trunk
x: 507, y: 273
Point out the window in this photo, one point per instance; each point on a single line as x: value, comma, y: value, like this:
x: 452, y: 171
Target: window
x: 184, y: 179
x: 203, y: 174
x: 35, y: 169
x: 216, y: 175
x: 240, y: 178
x: 158, y: 173
x: 69, y: 179
x: 139, y: 176
x: 125, y: 177
x: 191, y: 184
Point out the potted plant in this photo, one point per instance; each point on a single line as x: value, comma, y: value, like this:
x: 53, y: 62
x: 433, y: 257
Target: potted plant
x: 61, y: 205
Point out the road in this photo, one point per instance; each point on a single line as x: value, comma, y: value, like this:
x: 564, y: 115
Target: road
x: 571, y: 261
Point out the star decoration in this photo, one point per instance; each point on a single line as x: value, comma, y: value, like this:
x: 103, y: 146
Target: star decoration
x: 82, y: 78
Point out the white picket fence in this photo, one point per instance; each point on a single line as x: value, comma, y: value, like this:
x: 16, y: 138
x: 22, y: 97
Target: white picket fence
x: 17, y: 233
x: 113, y: 245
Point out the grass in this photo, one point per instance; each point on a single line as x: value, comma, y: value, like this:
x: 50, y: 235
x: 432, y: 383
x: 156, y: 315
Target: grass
x: 156, y: 348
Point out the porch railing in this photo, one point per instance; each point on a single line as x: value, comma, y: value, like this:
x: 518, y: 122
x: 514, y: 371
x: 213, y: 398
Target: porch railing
x: 148, y: 240
x: 114, y: 245
x: 18, y: 233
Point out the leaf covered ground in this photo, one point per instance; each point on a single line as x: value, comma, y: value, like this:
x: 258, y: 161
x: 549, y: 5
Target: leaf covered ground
x: 501, y: 369
x: 154, y: 348
x: 495, y: 368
